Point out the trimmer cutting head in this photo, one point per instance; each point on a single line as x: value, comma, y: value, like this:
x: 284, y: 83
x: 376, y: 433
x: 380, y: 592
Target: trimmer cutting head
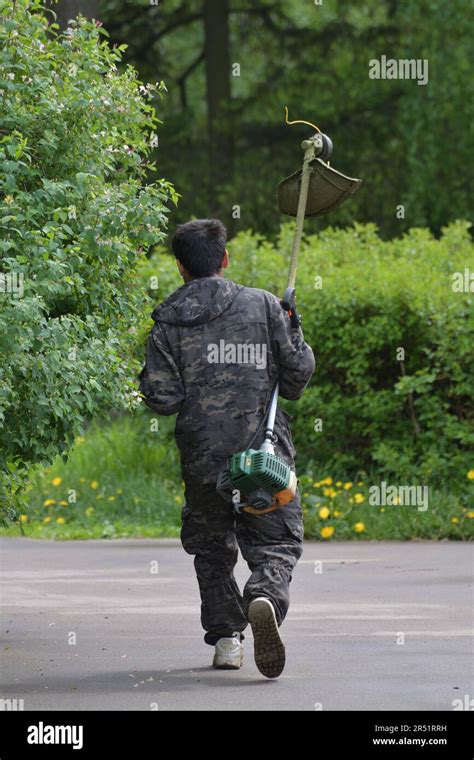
x: 328, y: 189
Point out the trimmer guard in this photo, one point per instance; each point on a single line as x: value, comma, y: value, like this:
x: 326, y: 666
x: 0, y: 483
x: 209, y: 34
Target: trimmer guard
x: 328, y: 189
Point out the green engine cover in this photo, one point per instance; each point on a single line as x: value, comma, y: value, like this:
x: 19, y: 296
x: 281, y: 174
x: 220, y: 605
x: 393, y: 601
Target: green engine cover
x: 253, y: 469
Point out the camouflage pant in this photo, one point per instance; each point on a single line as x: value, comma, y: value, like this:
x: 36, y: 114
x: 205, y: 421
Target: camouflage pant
x: 271, y: 544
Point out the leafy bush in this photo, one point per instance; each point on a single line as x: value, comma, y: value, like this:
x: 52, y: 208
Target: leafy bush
x: 76, y: 219
x: 404, y: 415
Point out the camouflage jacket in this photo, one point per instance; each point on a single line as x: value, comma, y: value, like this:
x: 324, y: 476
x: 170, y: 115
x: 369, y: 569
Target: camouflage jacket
x: 213, y: 356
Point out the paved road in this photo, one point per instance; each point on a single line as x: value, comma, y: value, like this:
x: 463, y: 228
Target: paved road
x: 138, y: 640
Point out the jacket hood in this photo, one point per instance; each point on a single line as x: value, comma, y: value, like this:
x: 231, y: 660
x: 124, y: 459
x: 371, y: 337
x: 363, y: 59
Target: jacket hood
x: 197, y: 302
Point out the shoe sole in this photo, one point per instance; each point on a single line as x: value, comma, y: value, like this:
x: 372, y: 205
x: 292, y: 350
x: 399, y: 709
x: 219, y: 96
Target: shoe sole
x: 236, y: 665
x: 269, y: 649
x: 226, y: 667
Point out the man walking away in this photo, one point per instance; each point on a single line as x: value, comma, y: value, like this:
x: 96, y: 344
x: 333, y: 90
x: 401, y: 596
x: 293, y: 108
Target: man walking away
x: 214, y: 355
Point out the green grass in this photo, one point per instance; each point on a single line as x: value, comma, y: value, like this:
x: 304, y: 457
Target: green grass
x: 126, y: 482
x: 348, y: 513
x: 121, y: 479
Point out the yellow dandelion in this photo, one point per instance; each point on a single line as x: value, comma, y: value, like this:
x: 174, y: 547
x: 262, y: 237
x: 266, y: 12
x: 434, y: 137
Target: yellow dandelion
x: 324, y: 513
x: 23, y: 518
x: 454, y: 520
x: 317, y: 485
x: 327, y: 531
x: 348, y: 485
x: 60, y: 521
x: 359, y: 527
x: 94, y: 484
x: 47, y: 520
x: 382, y: 509
x: 338, y: 484
x: 57, y: 481
x: 359, y: 498
x: 470, y: 474
x: 470, y: 514
x: 327, y: 482
x: 49, y: 502
x: 63, y: 503
x: 360, y: 483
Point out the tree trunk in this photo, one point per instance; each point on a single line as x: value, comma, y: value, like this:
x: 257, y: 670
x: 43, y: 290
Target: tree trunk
x: 220, y: 134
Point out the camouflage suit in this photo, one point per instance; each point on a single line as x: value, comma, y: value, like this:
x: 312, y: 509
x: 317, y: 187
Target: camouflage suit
x: 213, y: 356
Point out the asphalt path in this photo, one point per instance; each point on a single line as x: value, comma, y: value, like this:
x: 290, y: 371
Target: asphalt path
x: 114, y: 624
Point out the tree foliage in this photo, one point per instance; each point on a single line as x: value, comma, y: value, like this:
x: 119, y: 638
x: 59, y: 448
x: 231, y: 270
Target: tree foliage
x: 76, y: 219
x: 409, y: 142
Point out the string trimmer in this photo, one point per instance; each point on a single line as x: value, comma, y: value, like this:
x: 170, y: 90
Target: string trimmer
x: 258, y: 481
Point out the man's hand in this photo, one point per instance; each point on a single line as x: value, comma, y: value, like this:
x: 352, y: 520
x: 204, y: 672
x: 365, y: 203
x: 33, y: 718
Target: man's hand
x: 288, y: 303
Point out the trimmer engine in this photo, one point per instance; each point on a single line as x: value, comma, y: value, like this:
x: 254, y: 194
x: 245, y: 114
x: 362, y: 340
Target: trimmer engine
x: 266, y: 480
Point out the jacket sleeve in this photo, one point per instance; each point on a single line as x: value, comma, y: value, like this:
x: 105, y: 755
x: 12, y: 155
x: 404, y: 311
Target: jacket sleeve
x: 160, y: 381
x: 295, y: 358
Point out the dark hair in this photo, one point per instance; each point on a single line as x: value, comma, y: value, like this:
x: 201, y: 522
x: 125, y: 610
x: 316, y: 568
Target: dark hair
x: 200, y: 246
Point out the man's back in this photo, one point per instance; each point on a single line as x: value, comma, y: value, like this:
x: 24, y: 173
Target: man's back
x: 214, y: 355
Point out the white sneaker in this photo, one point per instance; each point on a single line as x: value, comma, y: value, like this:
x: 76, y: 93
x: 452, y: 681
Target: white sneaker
x: 268, y: 646
x: 229, y: 653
